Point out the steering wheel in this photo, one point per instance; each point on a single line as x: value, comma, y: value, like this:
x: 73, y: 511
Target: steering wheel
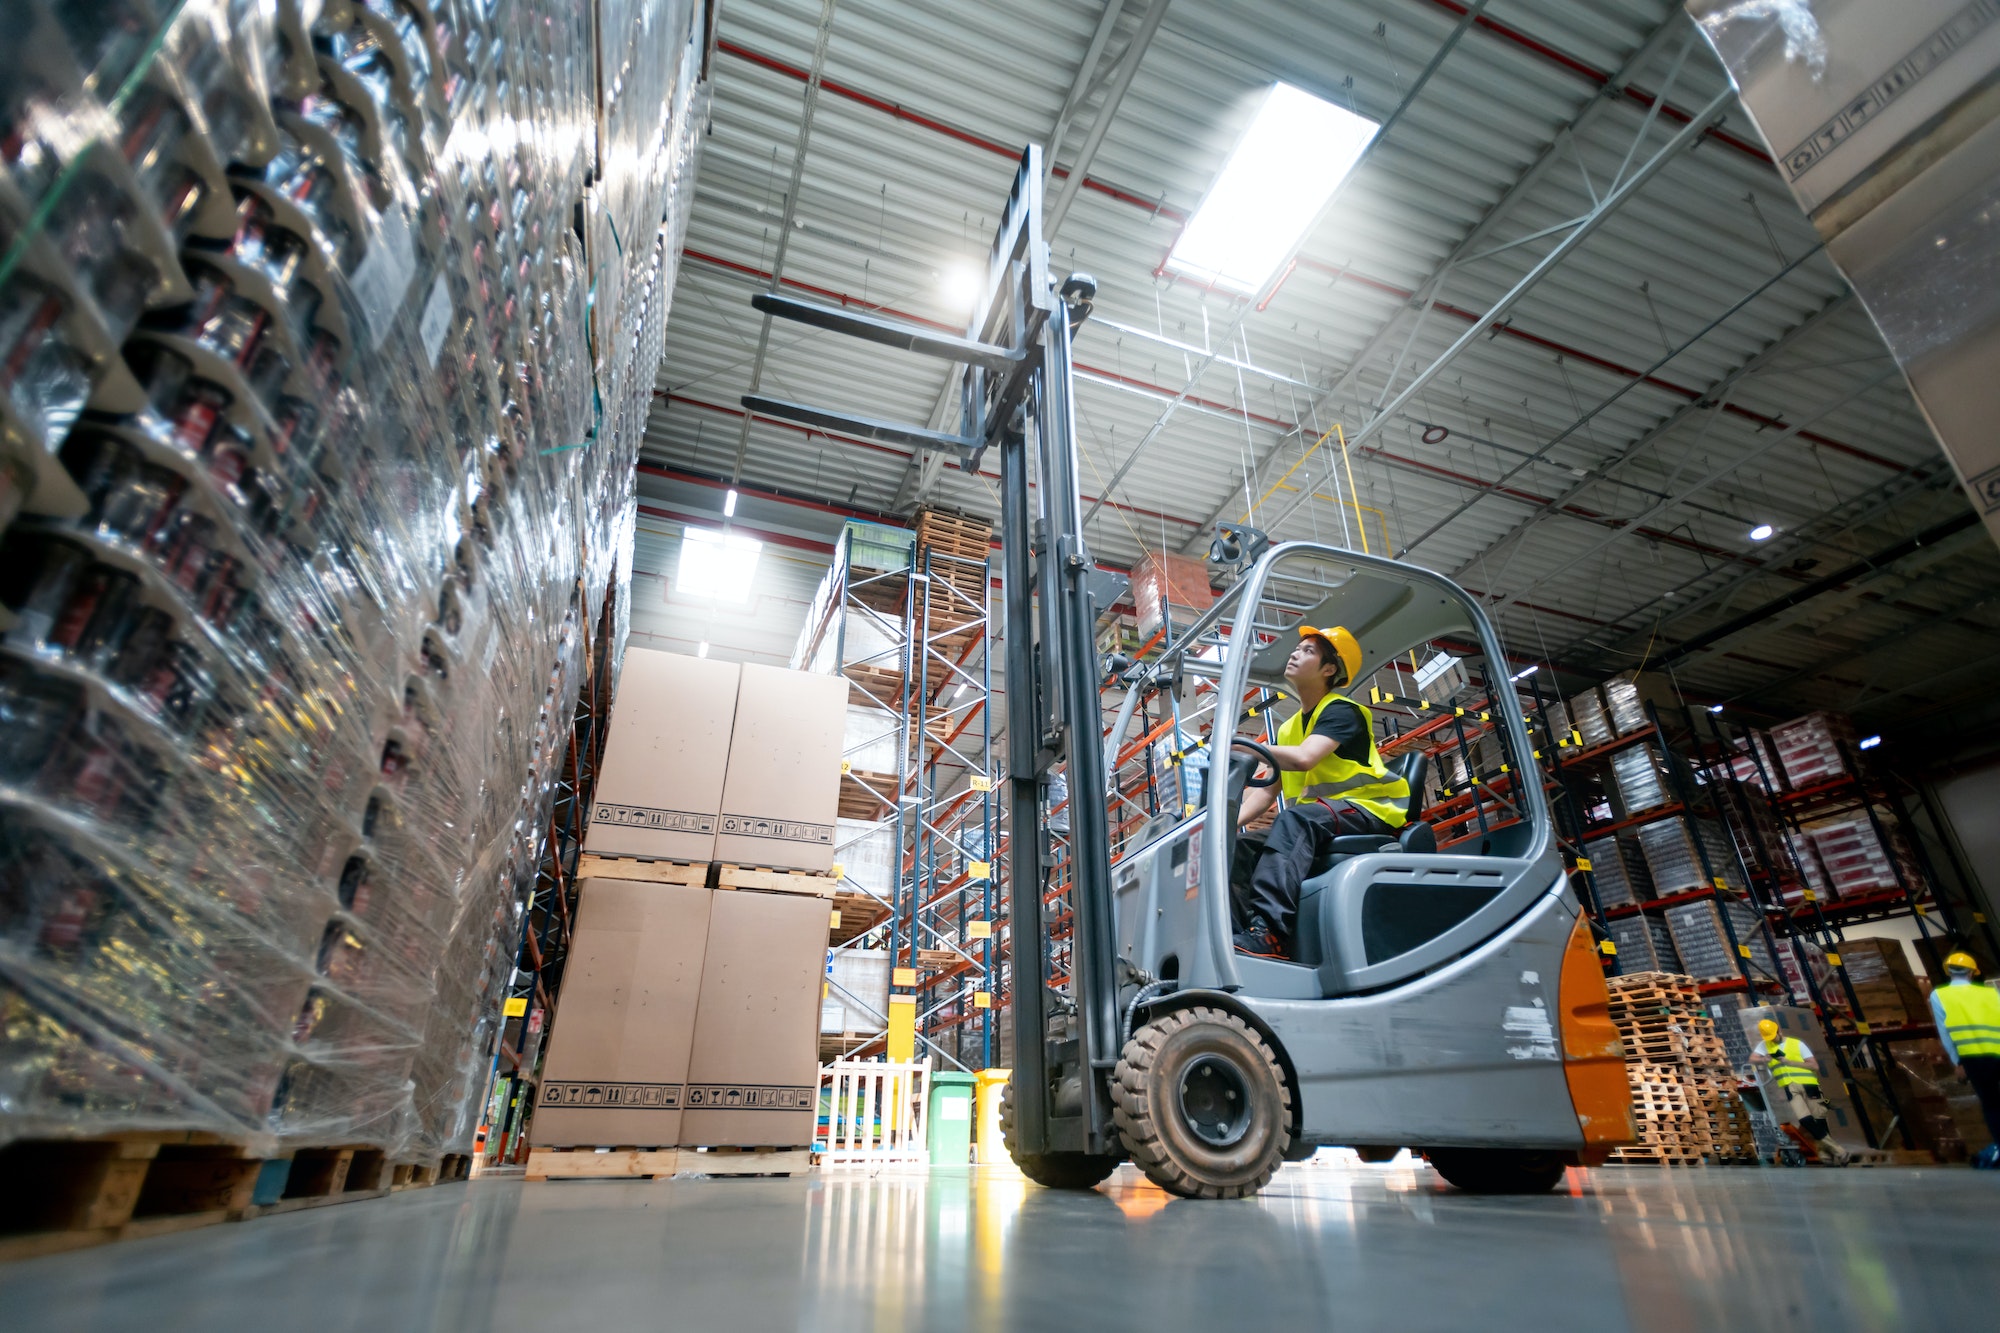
x: 1257, y: 748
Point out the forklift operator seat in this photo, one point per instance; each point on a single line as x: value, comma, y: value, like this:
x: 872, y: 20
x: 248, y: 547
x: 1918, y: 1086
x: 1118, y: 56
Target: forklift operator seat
x: 1311, y: 933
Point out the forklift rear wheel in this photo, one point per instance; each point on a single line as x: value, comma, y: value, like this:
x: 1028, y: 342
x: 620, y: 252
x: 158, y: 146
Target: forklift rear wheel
x: 1056, y: 1170
x: 1202, y: 1105
x: 1498, y: 1170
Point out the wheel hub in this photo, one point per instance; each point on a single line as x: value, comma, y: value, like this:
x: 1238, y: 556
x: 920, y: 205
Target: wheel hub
x: 1215, y: 1100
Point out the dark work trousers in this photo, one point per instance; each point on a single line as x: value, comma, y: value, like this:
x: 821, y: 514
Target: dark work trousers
x: 1983, y: 1073
x: 1299, y: 843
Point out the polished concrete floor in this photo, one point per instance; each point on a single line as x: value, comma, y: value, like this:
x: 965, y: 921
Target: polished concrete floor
x: 1326, y: 1246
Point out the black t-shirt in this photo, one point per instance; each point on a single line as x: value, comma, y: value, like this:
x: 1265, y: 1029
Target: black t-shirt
x: 1342, y: 724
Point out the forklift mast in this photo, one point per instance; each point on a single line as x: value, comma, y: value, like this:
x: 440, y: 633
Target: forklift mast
x: 1017, y: 395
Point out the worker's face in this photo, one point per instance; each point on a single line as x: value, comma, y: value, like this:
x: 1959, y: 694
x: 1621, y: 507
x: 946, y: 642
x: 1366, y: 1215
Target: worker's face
x: 1304, y: 665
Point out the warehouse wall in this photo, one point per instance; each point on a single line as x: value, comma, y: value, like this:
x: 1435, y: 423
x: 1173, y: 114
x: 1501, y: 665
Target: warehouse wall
x: 1972, y: 804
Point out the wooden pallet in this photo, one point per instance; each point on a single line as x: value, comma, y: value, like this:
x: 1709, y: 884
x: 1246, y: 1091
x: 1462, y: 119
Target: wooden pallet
x: 590, y: 1164
x: 58, y: 1195
x: 747, y: 1161
x: 650, y: 871
x: 776, y: 881
x: 859, y: 914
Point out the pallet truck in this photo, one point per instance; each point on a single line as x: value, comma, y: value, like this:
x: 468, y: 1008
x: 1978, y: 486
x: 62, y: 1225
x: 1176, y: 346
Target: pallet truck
x: 1451, y: 1002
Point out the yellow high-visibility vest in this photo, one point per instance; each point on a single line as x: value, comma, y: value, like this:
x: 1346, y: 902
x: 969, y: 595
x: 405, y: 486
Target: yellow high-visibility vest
x: 1971, y: 1017
x: 1788, y: 1063
x: 1370, y: 786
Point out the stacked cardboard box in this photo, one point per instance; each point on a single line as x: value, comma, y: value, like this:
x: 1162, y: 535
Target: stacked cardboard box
x: 1848, y: 856
x: 1163, y: 582
x: 1884, y: 985
x: 1684, y: 1088
x: 688, y: 1010
x: 1618, y: 869
x: 1797, y: 1022
x: 1812, y: 749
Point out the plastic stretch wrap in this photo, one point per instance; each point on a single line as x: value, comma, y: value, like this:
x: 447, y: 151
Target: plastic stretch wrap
x: 312, y: 491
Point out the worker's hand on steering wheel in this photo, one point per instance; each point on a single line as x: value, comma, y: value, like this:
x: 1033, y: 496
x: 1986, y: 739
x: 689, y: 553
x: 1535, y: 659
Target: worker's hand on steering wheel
x: 1259, y: 749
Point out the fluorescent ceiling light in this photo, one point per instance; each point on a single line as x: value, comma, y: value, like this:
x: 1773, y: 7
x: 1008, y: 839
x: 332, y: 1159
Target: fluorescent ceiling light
x: 1870, y: 742
x: 702, y: 651
x: 1525, y: 672
x: 1295, y: 154
x: 1715, y: 708
x: 1762, y: 532
x: 729, y: 504
x: 717, y: 564
x: 961, y: 284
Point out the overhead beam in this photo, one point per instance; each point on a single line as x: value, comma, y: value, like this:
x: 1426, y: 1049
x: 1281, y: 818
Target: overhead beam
x: 1107, y: 111
x: 811, y: 105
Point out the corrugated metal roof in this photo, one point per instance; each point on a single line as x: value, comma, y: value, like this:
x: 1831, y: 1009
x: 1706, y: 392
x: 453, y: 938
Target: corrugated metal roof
x: 1635, y: 537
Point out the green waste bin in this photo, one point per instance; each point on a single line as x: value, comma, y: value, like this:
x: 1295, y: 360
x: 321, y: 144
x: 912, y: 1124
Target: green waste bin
x: 950, y: 1122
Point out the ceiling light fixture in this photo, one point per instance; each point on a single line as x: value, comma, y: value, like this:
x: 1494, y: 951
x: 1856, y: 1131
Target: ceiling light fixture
x: 961, y: 284
x: 715, y: 564
x: 1715, y: 708
x: 1763, y: 532
x: 702, y: 651
x: 959, y: 693
x: 1526, y: 672
x: 1281, y: 173
x: 729, y: 504
x: 1870, y: 742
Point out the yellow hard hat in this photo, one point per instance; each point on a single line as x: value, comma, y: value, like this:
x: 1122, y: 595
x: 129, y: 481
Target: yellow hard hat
x: 1767, y: 1029
x: 1961, y: 962
x: 1345, y: 646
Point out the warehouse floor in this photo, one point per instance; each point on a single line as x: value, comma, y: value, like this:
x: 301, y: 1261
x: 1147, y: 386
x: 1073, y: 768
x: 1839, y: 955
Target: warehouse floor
x: 1324, y: 1246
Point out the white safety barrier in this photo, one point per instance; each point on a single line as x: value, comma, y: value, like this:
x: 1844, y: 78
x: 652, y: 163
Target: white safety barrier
x: 874, y: 1113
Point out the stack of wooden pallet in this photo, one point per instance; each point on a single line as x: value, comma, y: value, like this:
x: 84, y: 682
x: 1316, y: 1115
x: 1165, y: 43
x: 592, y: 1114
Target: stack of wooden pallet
x: 1683, y: 1090
x: 957, y: 549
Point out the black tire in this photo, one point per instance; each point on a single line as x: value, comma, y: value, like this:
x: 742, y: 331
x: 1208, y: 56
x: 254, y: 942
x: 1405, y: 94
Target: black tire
x: 1056, y: 1170
x: 1498, y: 1170
x: 1202, y: 1105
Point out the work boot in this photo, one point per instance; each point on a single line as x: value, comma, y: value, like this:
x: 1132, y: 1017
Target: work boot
x: 1832, y: 1154
x: 1259, y: 940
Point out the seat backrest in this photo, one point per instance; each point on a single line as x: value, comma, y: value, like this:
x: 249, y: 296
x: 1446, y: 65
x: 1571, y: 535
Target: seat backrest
x: 1413, y: 768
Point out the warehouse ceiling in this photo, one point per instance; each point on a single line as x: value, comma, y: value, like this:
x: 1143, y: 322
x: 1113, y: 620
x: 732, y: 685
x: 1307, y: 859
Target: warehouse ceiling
x: 1586, y: 438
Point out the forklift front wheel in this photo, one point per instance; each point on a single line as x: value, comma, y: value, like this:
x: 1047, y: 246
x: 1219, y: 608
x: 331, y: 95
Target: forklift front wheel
x: 1056, y: 1170
x: 1202, y: 1104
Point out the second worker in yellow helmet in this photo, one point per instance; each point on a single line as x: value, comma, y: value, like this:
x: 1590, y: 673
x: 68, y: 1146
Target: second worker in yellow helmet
x: 1334, y: 782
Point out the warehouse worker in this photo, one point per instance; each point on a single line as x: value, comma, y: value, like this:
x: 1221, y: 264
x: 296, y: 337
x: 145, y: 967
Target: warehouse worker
x: 1794, y: 1072
x: 1968, y: 1024
x: 1334, y: 782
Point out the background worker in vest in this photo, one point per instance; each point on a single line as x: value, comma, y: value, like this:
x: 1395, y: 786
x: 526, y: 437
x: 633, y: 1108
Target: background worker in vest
x: 1968, y: 1025
x: 1334, y: 782
x: 1794, y: 1075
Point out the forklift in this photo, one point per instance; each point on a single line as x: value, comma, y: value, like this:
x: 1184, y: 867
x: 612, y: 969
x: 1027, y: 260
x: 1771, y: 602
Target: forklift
x: 1451, y: 1002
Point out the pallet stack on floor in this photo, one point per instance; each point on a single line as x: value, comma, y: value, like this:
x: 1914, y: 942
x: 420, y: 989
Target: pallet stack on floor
x: 1684, y: 1095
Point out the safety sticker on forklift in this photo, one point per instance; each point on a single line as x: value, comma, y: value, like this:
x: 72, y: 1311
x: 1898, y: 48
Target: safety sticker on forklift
x: 1609, y: 948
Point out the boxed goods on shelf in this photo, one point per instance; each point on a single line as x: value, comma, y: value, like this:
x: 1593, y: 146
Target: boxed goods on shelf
x: 1848, y: 856
x: 1618, y: 869
x: 1628, y: 694
x: 1163, y: 582
x: 857, y: 992
x: 1813, y: 749
x: 1644, y: 945
x: 866, y: 853
x: 1884, y: 985
x: 1803, y: 967
x: 1643, y: 782
x: 314, y: 489
x: 1587, y: 714
x: 1676, y: 862
x: 1704, y: 945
